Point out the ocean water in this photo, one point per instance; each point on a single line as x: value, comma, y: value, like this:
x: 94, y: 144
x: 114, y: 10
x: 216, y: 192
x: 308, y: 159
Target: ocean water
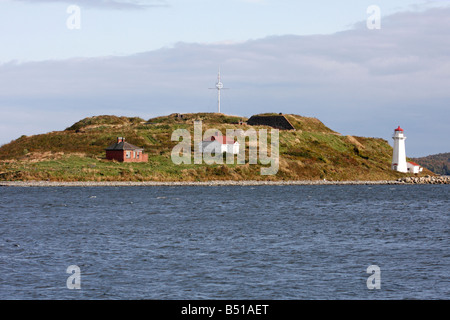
x: 225, y: 242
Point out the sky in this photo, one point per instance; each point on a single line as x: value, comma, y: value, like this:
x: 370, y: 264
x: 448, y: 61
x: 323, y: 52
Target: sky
x: 62, y: 61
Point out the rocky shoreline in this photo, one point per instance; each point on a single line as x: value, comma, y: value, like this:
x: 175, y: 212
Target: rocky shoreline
x: 426, y: 180
x: 400, y: 181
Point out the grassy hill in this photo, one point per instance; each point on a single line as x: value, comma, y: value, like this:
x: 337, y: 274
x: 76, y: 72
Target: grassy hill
x: 437, y: 163
x: 312, y: 151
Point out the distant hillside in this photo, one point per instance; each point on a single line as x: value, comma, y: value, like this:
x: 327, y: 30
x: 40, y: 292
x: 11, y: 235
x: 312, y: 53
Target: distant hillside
x: 311, y: 151
x: 437, y: 163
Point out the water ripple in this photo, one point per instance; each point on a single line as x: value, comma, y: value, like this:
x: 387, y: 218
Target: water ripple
x: 266, y: 242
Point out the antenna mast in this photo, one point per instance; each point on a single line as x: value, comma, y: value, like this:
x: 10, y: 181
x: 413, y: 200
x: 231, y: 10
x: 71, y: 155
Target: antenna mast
x: 219, y: 86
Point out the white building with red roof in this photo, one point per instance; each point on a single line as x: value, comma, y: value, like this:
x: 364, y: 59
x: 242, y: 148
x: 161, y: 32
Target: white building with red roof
x: 219, y: 144
x: 413, y: 167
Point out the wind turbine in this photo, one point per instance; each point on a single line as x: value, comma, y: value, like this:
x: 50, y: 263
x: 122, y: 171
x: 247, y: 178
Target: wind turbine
x: 219, y: 86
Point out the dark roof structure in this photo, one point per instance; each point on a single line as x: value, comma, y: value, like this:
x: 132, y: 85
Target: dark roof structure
x: 275, y: 121
x: 121, y: 144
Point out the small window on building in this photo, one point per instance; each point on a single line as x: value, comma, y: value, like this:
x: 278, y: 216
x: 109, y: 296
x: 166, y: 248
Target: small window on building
x: 134, y: 154
x: 128, y: 154
x: 137, y: 155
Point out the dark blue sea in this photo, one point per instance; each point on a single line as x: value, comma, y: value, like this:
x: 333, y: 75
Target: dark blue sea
x: 225, y: 242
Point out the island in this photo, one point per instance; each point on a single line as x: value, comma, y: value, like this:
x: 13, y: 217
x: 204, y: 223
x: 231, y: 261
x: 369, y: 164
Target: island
x: 309, y: 151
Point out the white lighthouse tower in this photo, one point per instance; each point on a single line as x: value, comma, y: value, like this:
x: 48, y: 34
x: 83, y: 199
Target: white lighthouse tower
x: 399, y: 155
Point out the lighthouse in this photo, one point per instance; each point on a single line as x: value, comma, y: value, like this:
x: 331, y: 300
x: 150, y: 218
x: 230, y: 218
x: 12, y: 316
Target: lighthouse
x: 399, y: 155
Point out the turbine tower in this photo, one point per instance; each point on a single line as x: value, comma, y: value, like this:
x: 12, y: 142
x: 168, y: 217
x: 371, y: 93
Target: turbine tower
x: 219, y: 86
